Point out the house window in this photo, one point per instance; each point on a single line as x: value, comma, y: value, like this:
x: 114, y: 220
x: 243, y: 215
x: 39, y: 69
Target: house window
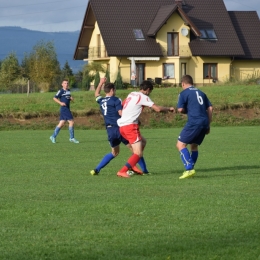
x: 168, y: 70
x: 210, y: 71
x: 172, y: 44
x: 138, y: 34
x: 208, y: 34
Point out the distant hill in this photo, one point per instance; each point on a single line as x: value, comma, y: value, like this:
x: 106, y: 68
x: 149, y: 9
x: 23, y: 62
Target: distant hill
x: 20, y: 41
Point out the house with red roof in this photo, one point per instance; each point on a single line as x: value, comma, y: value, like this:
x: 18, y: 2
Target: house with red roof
x: 167, y: 39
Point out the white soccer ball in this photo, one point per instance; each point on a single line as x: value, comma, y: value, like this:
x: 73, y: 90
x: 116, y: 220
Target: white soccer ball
x: 130, y: 173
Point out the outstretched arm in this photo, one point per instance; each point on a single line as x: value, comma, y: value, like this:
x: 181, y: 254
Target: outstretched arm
x: 98, y: 89
x: 182, y: 111
x: 162, y: 109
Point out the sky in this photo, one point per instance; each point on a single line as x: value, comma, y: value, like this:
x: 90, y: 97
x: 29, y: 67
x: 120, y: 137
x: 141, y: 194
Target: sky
x: 67, y: 15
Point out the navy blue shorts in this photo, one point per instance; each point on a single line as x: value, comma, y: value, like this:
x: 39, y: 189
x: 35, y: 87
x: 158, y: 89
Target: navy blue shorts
x: 65, y: 114
x: 114, y: 136
x: 192, y: 136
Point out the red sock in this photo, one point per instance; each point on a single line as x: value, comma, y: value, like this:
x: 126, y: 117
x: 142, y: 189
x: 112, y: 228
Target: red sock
x: 132, y: 161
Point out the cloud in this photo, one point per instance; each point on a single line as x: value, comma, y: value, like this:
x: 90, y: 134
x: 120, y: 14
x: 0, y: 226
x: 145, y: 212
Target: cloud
x: 67, y: 15
x: 44, y: 15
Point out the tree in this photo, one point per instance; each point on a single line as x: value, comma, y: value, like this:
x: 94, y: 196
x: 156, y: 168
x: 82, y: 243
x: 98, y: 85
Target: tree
x: 107, y: 75
x: 119, y: 81
x: 78, y: 79
x: 90, y: 71
x: 66, y: 71
x: 43, y: 66
x: 96, y: 79
x: 25, y: 67
x: 10, y: 71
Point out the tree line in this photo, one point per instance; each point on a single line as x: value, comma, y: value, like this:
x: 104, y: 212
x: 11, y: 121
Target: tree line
x: 41, y: 71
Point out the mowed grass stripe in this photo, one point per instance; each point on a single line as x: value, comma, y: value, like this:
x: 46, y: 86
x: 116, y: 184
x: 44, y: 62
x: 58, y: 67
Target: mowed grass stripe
x: 52, y: 208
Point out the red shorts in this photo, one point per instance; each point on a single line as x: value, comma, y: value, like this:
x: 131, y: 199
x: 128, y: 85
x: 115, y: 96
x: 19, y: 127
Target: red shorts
x: 131, y: 133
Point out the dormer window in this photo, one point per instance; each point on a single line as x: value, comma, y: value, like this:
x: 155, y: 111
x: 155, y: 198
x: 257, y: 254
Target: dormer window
x: 208, y: 34
x: 138, y: 34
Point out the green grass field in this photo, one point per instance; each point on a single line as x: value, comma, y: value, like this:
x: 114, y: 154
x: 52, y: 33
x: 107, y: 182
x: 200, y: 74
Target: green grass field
x: 41, y: 104
x: 52, y: 208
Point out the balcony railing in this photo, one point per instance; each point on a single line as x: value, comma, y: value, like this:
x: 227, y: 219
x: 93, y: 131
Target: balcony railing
x: 97, y: 52
x: 100, y: 52
x: 182, y: 51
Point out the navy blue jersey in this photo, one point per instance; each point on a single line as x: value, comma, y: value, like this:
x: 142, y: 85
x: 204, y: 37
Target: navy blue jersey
x: 64, y: 96
x: 109, y: 107
x: 195, y: 103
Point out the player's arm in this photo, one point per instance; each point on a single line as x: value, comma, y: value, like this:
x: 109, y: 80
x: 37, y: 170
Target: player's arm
x: 98, y: 89
x: 119, y: 112
x: 209, y: 112
x: 182, y: 110
x: 162, y: 109
x: 59, y: 102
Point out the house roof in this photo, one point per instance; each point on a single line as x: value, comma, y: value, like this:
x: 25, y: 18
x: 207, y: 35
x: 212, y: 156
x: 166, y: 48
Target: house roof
x: 164, y: 14
x: 247, y: 26
x: 213, y: 15
x: 117, y: 19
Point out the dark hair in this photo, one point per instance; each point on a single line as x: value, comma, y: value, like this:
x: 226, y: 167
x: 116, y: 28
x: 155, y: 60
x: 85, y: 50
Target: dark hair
x: 187, y: 79
x: 108, y: 87
x: 146, y: 84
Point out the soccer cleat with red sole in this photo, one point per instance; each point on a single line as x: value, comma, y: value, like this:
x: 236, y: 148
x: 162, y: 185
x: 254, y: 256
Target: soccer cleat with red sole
x: 137, y: 171
x: 123, y: 174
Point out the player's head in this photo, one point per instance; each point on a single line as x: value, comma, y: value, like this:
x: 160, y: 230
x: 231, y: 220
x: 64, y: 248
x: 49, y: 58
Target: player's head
x: 65, y: 83
x: 187, y: 80
x: 108, y: 87
x: 146, y: 87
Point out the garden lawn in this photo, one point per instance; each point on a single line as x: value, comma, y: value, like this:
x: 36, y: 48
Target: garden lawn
x: 52, y: 208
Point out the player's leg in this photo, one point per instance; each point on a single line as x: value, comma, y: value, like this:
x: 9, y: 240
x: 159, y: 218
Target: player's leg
x: 132, y: 134
x: 106, y: 160
x: 57, y: 130
x: 71, y: 132
x: 194, y: 152
x: 114, y: 139
x: 195, y: 145
x: 142, y: 162
x: 186, y: 137
x: 133, y: 160
x: 185, y: 155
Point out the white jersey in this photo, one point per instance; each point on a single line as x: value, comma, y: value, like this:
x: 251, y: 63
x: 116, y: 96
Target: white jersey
x: 132, y: 108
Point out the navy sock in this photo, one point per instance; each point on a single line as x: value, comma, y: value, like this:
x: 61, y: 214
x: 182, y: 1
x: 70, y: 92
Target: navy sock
x: 143, y: 165
x: 186, y: 159
x: 71, y: 130
x: 106, y: 159
x: 194, y: 156
x: 56, y: 131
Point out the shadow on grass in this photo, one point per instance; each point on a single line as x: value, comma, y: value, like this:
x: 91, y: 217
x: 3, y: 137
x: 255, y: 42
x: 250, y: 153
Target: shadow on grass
x: 235, y: 170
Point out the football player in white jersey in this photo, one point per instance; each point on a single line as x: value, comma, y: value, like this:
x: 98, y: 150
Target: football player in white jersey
x: 128, y: 123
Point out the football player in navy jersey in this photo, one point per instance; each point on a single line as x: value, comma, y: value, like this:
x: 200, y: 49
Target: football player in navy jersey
x: 198, y: 108
x: 111, y: 108
x: 63, y: 98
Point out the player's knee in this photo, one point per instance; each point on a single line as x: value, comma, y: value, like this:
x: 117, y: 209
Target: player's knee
x: 115, y: 153
x: 180, y: 146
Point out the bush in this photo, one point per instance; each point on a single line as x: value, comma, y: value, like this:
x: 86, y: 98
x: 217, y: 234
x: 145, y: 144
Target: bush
x: 119, y: 81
